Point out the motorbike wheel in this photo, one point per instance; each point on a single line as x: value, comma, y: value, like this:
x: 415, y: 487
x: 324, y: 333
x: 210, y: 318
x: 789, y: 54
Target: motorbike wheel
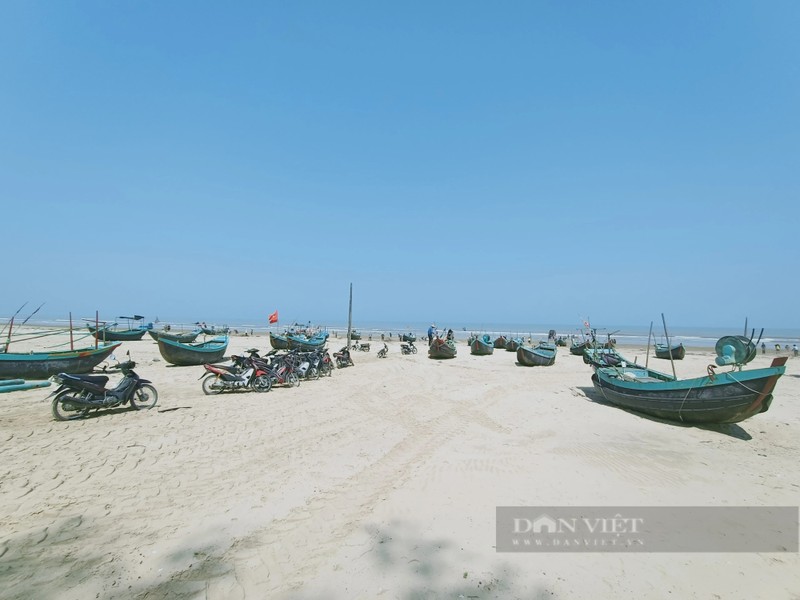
x: 413, y: 351
x: 65, y: 410
x: 262, y: 383
x: 292, y: 380
x: 312, y: 373
x: 211, y: 386
x: 144, y: 398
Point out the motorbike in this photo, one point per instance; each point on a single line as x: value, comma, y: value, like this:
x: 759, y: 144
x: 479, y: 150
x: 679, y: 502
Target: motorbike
x: 316, y: 368
x: 325, y: 364
x: 245, y: 373
x: 384, y: 351
x: 281, y: 368
x: 343, y: 358
x: 303, y: 366
x: 78, y: 394
x: 408, y: 348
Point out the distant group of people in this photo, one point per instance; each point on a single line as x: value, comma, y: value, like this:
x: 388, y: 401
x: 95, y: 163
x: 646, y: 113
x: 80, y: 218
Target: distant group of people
x: 794, y: 349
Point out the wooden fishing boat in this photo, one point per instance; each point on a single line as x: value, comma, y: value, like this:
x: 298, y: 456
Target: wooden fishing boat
x: 727, y: 397
x: 440, y: 348
x: 214, y: 330
x: 201, y: 353
x: 41, y: 365
x: 500, y: 342
x: 513, y: 344
x: 606, y: 357
x: 108, y: 334
x: 184, y: 337
x: 355, y: 335
x: 481, y: 345
x: 578, y: 347
x: 278, y: 342
x: 301, y: 342
x: 408, y: 337
x: 663, y: 351
x: 542, y: 355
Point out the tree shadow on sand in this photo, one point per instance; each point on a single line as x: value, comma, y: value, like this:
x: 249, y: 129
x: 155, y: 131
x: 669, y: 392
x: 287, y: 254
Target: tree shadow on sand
x: 401, y: 562
x: 729, y: 429
x: 46, y: 562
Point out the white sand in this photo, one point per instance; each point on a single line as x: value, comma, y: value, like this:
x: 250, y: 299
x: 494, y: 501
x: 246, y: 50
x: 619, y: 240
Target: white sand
x: 379, y: 482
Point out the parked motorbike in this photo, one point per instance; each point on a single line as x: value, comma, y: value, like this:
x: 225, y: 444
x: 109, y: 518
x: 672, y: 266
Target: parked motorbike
x: 326, y: 364
x: 383, y: 352
x: 408, y: 348
x: 78, y: 394
x: 281, y: 368
x: 315, y: 368
x: 303, y: 366
x: 343, y: 358
x: 245, y: 373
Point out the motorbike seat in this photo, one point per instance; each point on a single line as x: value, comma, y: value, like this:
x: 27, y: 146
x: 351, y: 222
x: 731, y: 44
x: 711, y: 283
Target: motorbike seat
x: 99, y: 380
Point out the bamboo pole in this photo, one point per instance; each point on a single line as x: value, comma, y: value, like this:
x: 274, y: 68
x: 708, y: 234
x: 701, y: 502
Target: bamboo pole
x: 669, y: 346
x: 647, y: 356
x: 10, y: 328
x: 71, y: 342
x: 96, y: 327
x: 350, y: 318
x: 19, y: 310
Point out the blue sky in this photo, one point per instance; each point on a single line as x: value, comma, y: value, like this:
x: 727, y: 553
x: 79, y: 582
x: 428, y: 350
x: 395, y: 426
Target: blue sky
x: 461, y: 162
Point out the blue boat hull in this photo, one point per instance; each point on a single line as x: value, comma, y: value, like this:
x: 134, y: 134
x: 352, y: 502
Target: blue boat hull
x: 481, y: 347
x: 41, y: 365
x: 541, y: 356
x: 117, y: 335
x: 185, y: 355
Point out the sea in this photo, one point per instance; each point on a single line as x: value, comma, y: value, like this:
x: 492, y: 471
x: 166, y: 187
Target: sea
x: 625, y: 335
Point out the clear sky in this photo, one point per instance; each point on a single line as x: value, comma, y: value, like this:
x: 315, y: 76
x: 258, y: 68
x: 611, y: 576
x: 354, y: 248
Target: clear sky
x: 457, y: 161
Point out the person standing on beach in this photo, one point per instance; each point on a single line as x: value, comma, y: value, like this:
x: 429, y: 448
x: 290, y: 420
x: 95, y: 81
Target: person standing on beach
x: 794, y: 349
x: 431, y: 331
x: 763, y: 348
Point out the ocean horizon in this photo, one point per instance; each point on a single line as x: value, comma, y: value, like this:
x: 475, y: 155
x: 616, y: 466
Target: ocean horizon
x: 624, y: 334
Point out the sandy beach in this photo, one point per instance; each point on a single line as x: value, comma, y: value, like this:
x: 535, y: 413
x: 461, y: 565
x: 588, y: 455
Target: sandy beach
x: 379, y: 482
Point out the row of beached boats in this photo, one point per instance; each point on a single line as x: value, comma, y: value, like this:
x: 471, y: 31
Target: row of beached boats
x: 716, y: 398
x: 110, y: 332
x: 181, y: 353
x: 41, y: 365
x: 306, y: 341
x: 541, y: 355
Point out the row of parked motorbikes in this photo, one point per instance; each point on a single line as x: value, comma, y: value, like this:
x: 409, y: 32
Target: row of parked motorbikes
x: 76, y: 395
x: 258, y: 373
